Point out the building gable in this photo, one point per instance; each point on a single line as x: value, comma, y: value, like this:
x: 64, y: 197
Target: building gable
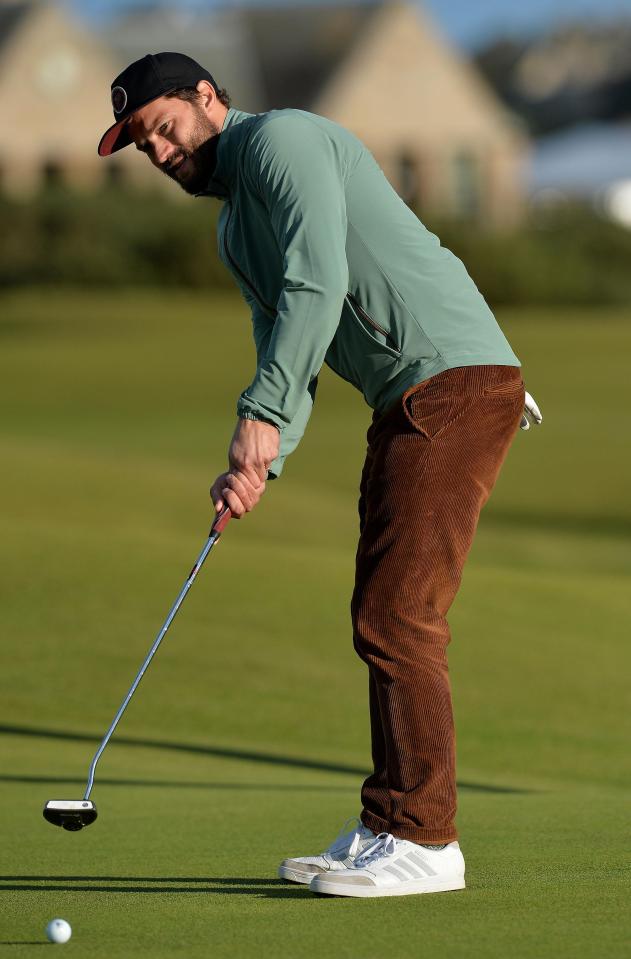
x: 294, y: 73
x: 12, y: 16
x: 54, y: 96
x: 404, y: 81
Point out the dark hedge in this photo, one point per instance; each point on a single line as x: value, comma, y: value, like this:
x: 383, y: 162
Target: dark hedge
x: 117, y: 238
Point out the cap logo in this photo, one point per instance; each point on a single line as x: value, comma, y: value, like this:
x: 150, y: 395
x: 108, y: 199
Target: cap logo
x: 119, y: 99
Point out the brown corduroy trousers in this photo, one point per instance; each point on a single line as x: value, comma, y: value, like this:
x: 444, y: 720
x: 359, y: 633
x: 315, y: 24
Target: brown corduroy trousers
x: 431, y: 463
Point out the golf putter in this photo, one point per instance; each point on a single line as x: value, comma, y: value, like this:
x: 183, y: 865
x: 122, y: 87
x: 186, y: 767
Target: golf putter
x: 74, y: 814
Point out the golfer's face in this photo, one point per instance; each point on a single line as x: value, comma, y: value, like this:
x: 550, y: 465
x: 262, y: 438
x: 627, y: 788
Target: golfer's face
x: 171, y: 131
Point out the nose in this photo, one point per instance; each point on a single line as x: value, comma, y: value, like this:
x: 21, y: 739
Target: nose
x: 163, y: 151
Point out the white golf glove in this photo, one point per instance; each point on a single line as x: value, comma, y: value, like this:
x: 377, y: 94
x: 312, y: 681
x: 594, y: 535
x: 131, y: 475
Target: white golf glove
x: 532, y: 414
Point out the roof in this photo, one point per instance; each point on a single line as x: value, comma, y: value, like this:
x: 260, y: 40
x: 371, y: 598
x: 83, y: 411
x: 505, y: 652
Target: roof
x: 215, y: 38
x: 11, y: 16
x: 246, y: 49
x: 294, y: 73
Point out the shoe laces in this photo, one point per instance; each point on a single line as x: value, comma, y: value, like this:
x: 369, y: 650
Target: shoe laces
x: 384, y: 845
x: 342, y: 837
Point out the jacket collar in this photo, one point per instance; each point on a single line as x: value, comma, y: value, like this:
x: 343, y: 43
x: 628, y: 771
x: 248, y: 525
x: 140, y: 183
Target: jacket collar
x: 230, y: 140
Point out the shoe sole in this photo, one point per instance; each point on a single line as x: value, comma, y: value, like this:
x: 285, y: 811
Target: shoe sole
x: 414, y: 887
x: 292, y: 875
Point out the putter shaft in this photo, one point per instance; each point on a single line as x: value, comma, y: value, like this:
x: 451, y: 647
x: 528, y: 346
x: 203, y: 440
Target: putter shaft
x: 217, y: 528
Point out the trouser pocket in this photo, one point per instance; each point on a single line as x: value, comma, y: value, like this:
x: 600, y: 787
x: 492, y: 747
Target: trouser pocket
x: 504, y: 381
x: 434, y: 405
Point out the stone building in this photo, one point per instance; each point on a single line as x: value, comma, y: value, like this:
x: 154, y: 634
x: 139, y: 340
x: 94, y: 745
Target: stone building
x: 381, y: 69
x: 52, y: 77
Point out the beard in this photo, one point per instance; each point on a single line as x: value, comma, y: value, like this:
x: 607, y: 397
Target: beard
x: 193, y: 163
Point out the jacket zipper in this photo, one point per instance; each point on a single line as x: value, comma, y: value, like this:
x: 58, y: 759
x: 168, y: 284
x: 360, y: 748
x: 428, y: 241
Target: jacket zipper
x: 255, y: 293
x: 362, y: 312
x: 259, y: 298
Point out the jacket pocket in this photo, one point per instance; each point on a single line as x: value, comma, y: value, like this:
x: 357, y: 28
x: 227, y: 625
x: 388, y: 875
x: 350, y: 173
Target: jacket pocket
x: 371, y: 328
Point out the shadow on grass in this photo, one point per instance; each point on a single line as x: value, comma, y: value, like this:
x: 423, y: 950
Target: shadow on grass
x: 218, y: 752
x: 215, y: 751
x: 247, y: 787
x: 176, y: 784
x: 218, y: 885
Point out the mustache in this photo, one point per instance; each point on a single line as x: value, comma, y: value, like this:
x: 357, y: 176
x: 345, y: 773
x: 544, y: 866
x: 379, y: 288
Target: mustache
x: 170, y: 166
x: 199, y: 158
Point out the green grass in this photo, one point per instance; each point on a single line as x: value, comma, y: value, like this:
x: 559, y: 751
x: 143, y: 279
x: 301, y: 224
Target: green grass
x: 247, y: 739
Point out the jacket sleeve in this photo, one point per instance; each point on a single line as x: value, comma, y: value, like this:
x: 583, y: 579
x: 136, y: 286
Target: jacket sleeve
x: 293, y: 166
x: 290, y: 436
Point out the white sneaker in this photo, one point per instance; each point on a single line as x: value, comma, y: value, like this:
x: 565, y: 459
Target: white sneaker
x: 340, y: 855
x: 395, y: 867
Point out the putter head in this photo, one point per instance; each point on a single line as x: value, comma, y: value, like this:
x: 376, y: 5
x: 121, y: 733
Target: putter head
x: 72, y: 814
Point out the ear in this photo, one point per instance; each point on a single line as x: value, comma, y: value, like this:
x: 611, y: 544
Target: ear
x: 207, y: 94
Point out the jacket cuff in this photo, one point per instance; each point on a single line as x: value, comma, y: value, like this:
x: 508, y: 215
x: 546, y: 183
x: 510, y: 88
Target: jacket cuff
x: 246, y: 411
x: 248, y: 415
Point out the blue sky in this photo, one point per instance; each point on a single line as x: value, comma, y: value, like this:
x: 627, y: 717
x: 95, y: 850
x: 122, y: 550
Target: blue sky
x: 467, y: 22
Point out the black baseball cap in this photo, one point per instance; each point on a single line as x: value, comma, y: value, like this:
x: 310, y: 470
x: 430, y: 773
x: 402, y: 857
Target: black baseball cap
x: 143, y: 81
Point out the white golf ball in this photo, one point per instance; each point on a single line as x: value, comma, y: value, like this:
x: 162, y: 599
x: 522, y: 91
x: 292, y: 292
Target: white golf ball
x: 58, y: 930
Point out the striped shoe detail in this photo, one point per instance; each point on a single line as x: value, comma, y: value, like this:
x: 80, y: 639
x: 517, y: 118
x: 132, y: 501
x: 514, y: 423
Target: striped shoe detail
x: 413, y: 872
x: 419, y: 861
x: 394, y: 871
x: 396, y: 867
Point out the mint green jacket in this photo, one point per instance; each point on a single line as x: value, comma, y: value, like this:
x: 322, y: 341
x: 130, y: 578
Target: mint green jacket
x: 336, y: 270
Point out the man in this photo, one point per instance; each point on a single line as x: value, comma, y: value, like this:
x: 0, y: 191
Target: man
x: 337, y: 270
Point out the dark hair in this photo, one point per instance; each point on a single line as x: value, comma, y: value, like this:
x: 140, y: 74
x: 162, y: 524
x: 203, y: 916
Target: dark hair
x: 191, y: 95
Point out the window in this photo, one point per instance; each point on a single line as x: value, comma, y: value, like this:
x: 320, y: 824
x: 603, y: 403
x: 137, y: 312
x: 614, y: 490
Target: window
x: 466, y: 185
x: 408, y: 185
x: 52, y: 173
x: 114, y: 173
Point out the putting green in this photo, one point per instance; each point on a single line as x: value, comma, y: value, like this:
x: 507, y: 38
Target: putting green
x: 247, y: 740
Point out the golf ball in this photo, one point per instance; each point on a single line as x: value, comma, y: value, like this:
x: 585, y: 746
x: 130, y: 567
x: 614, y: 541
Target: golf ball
x: 58, y: 930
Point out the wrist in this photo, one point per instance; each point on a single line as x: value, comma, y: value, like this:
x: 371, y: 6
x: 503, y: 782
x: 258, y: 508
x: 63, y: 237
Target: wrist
x: 257, y: 418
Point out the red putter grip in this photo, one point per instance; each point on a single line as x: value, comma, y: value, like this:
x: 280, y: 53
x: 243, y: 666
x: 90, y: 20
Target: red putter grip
x: 222, y: 521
